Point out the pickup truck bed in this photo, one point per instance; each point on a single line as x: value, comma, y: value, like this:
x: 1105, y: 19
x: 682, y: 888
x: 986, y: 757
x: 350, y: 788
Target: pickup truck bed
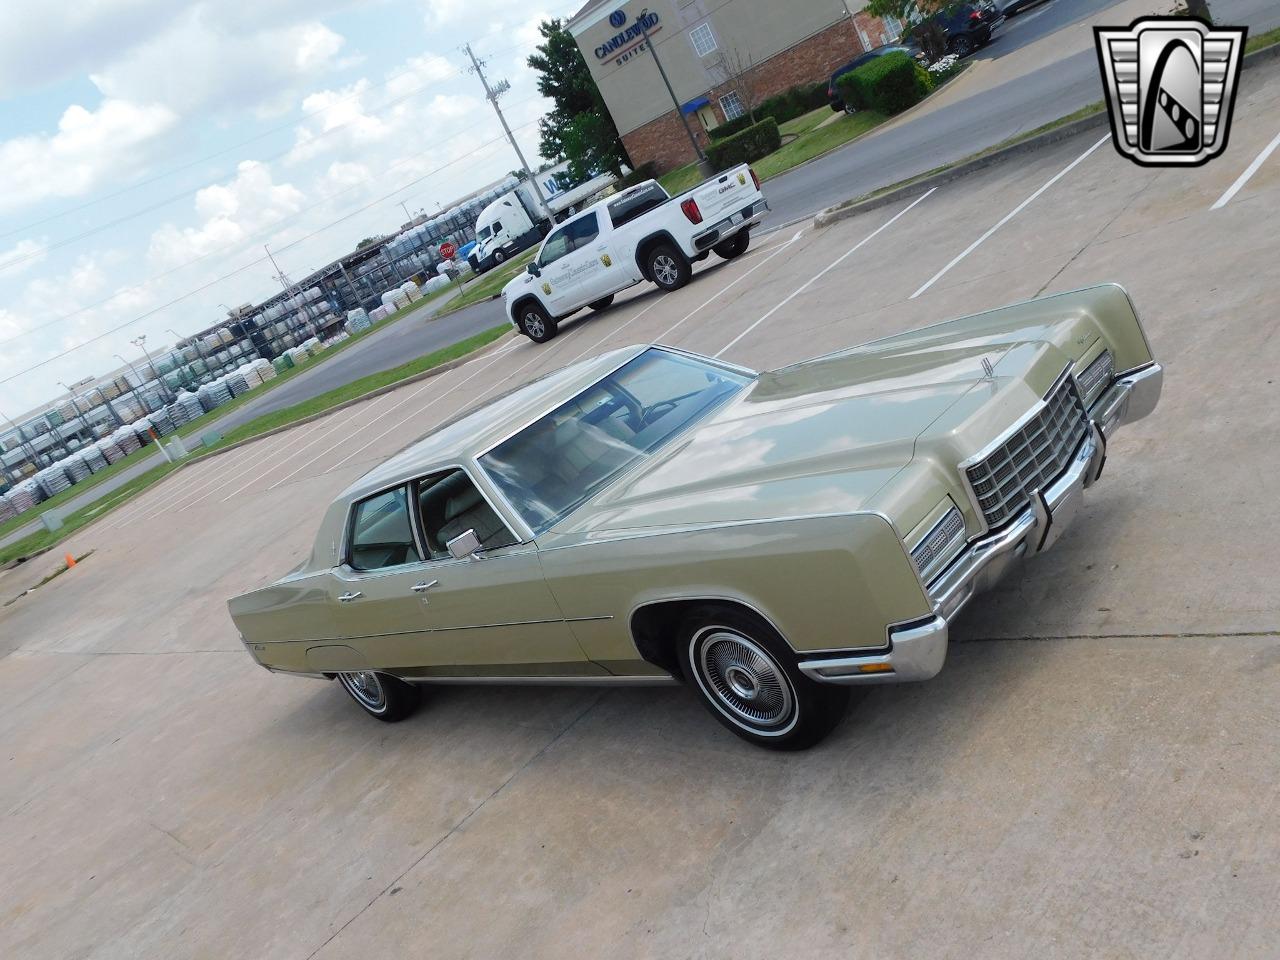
x: 641, y: 234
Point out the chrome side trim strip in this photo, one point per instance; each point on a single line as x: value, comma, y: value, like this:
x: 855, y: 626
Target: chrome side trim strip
x: 610, y: 681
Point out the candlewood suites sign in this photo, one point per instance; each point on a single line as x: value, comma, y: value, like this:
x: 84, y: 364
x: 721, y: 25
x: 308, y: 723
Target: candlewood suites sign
x: 626, y: 40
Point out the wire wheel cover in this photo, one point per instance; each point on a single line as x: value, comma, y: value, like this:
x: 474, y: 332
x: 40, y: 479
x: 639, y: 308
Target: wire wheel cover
x: 745, y: 679
x: 366, y: 688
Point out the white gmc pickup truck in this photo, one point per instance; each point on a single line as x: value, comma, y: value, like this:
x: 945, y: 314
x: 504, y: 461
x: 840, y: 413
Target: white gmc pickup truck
x: 639, y: 234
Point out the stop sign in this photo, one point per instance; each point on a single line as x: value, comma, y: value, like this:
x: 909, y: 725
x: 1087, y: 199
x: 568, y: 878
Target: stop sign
x: 447, y: 250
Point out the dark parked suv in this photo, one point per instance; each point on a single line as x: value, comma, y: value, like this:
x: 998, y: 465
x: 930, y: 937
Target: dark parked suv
x: 833, y: 95
x: 966, y: 26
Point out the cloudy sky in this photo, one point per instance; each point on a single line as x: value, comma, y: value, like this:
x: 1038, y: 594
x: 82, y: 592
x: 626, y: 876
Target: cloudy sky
x: 149, y: 148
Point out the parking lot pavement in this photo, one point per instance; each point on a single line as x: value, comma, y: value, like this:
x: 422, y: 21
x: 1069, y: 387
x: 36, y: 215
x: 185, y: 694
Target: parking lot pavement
x: 1092, y: 774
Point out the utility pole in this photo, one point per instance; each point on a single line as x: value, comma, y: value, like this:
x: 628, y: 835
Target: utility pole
x: 492, y: 94
x: 642, y: 22
x: 286, y: 284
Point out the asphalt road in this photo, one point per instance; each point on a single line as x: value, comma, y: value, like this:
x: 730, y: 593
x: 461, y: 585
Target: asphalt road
x: 968, y: 126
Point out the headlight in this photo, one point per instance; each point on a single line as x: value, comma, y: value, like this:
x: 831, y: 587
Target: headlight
x: 942, y: 542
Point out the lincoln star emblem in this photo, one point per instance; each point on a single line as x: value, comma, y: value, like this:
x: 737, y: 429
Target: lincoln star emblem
x: 1171, y: 86
x: 546, y: 288
x: 606, y: 260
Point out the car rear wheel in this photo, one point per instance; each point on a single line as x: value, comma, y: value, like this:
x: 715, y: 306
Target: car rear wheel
x: 535, y: 323
x: 668, y: 267
x: 961, y: 46
x: 746, y: 676
x: 602, y: 304
x: 382, y: 697
x: 735, y: 246
x: 499, y: 257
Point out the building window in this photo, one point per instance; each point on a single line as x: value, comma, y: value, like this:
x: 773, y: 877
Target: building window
x: 892, y: 27
x: 732, y: 106
x: 704, y: 41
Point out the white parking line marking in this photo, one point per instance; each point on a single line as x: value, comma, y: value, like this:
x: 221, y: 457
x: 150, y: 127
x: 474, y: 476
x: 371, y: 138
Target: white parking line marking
x: 729, y: 286
x: 322, y: 453
x: 1250, y: 170
x: 831, y: 266
x: 291, y: 452
x: 364, y: 446
x: 1009, y: 216
x: 217, y: 469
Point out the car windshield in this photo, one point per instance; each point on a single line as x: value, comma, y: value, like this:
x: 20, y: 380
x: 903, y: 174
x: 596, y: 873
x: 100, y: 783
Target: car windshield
x: 554, y: 464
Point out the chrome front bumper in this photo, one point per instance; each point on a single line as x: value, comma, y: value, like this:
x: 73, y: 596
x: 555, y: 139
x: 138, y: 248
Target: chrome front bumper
x: 917, y: 650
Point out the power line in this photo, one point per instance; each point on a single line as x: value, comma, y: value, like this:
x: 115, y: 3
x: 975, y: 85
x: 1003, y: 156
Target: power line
x: 227, y: 276
x: 256, y: 235
x: 244, y: 143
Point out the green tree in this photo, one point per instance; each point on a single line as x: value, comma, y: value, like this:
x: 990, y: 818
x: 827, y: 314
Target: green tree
x: 917, y: 14
x: 578, y: 128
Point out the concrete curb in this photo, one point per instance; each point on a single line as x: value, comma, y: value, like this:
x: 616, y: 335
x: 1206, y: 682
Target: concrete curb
x: 909, y: 191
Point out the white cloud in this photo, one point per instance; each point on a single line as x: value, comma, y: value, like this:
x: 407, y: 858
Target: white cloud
x: 228, y: 213
x: 89, y: 147
x: 201, y: 63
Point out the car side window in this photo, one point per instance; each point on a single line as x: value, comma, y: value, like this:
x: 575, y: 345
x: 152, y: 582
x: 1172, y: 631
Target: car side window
x: 583, y: 231
x: 382, y: 532
x: 451, y: 504
x: 557, y: 246
x: 497, y: 227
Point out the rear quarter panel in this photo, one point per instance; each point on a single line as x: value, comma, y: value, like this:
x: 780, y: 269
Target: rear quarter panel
x: 824, y: 582
x: 279, y: 622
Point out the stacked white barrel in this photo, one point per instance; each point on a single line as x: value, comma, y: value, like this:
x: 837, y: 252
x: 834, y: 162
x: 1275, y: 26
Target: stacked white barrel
x: 110, y: 449
x: 22, y: 497
x: 126, y: 438
x: 76, y: 468
x: 7, y: 512
x: 93, y: 458
x: 53, y: 480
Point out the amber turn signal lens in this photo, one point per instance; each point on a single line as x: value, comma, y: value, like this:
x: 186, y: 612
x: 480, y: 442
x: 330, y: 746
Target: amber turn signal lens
x: 876, y: 668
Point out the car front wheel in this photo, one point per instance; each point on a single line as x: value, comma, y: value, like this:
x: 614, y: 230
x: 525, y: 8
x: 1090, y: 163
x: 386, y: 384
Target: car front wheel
x: 535, y: 323
x: 745, y: 675
x: 382, y: 697
x: 961, y: 46
x: 668, y: 267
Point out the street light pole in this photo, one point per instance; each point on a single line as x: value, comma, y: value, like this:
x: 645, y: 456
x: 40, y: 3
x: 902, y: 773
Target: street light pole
x: 84, y: 421
x: 142, y: 343
x: 642, y: 23
x: 130, y: 365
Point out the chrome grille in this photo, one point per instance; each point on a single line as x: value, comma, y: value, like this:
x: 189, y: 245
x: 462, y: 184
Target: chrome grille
x: 1097, y: 376
x: 1031, y: 458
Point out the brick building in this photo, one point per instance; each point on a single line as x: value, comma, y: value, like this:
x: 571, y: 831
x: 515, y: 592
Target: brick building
x: 703, y: 44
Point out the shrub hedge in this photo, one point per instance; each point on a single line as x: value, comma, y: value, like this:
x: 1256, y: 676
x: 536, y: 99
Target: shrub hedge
x: 646, y: 171
x: 887, y: 84
x: 787, y: 105
x: 746, y: 146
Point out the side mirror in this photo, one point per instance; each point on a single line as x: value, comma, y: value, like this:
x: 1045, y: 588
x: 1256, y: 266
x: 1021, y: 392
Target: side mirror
x: 464, y: 545
x: 533, y: 269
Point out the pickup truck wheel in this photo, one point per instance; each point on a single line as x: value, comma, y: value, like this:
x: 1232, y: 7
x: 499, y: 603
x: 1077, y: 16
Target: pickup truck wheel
x: 382, y: 697
x: 668, y: 267
x: 735, y: 246
x: 745, y: 675
x: 535, y: 323
x: 602, y: 304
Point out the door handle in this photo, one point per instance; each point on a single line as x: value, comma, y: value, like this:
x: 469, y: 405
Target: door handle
x: 348, y: 597
x: 424, y: 587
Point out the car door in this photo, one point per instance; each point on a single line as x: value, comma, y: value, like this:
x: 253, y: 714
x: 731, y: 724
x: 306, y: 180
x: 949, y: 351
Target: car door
x: 577, y: 271
x: 491, y: 614
x: 374, y: 605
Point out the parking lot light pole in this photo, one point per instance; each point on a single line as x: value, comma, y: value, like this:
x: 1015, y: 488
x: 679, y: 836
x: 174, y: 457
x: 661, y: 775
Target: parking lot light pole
x: 704, y: 165
x: 141, y: 343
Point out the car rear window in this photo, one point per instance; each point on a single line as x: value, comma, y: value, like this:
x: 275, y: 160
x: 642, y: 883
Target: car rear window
x: 636, y: 203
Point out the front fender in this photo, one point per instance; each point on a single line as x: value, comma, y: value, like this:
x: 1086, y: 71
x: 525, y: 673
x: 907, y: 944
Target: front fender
x: 827, y: 583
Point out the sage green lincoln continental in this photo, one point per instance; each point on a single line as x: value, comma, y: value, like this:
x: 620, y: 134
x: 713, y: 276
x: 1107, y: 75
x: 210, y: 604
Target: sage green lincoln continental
x: 768, y: 538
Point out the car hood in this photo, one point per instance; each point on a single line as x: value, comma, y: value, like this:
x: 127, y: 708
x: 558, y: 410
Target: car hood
x: 820, y: 437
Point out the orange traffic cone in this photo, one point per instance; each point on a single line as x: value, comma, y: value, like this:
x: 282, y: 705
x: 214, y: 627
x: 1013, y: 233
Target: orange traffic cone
x: 71, y: 561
